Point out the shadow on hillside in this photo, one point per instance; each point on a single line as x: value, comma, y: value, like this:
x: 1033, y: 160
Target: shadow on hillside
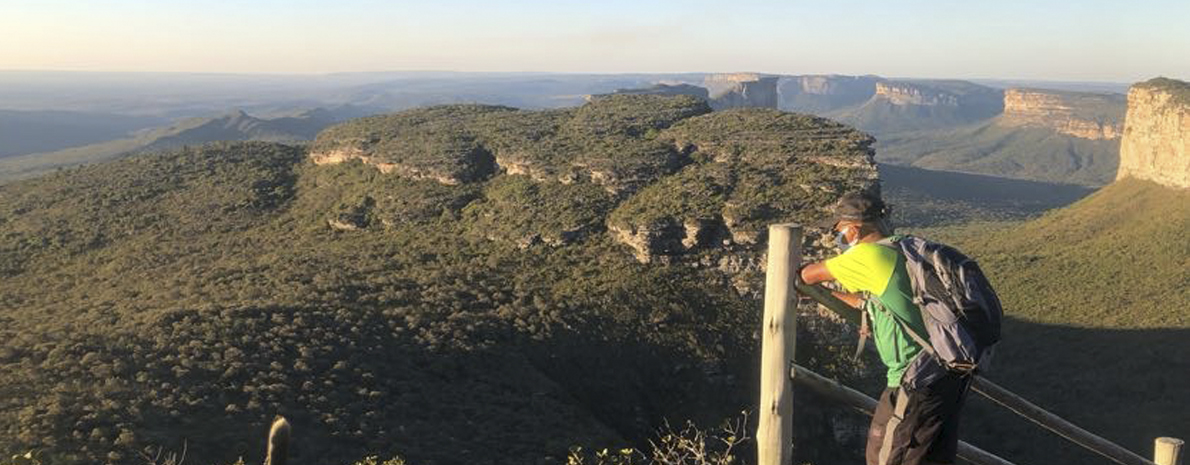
x: 933, y: 198
x: 1128, y: 386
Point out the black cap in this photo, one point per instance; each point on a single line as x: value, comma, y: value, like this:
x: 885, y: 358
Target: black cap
x: 862, y: 206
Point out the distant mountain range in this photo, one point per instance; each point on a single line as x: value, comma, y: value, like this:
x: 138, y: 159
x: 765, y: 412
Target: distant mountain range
x: 1028, y: 133
x: 938, y: 124
x: 34, y: 131
x: 234, y: 126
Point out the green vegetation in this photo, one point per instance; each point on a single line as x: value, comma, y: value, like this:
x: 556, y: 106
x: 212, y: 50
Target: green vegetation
x: 519, y: 210
x: 748, y: 168
x: 435, y: 142
x: 609, y: 140
x: 1180, y: 90
x: 924, y: 198
x: 996, y: 149
x: 1130, y: 233
x: 193, y: 294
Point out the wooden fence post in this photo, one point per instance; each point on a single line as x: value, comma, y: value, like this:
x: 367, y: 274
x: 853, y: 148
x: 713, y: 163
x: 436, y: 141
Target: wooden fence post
x: 278, y: 452
x: 1167, y: 451
x: 774, y: 434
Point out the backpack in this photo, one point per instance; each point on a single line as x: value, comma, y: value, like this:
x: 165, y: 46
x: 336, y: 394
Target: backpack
x: 959, y: 307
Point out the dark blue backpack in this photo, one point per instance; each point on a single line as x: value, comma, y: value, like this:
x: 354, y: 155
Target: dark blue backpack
x: 959, y: 307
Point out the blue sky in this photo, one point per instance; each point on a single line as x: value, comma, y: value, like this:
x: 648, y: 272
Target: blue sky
x: 1041, y: 39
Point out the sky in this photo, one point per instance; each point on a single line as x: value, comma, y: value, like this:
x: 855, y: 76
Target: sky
x: 1085, y: 40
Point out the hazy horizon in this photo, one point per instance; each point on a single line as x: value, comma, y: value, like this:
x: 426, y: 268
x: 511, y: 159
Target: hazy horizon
x: 1015, y: 40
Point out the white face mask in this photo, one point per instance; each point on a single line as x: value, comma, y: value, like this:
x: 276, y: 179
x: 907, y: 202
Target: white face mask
x: 842, y: 242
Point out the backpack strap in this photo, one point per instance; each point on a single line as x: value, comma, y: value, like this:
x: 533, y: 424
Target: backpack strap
x: 921, y: 341
x: 890, y: 242
x: 959, y: 367
x: 863, y: 338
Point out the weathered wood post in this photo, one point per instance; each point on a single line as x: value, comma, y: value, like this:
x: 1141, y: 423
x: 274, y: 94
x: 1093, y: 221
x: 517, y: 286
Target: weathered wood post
x: 278, y: 452
x: 774, y: 434
x: 1168, y: 451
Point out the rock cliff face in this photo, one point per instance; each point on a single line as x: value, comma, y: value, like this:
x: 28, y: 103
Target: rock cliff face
x: 1094, y: 116
x: 747, y: 168
x: 909, y: 94
x: 911, y: 105
x: 600, y: 142
x: 817, y: 94
x: 663, y: 175
x: 742, y: 90
x: 1156, y: 141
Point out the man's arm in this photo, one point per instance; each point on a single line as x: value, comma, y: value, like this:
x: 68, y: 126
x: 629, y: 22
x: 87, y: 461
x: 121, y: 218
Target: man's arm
x: 815, y: 273
x: 854, y: 300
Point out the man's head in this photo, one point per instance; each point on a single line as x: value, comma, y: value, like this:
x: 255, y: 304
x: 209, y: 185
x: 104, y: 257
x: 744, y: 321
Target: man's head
x: 858, y: 214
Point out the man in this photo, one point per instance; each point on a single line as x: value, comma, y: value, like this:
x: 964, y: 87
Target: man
x: 914, y: 423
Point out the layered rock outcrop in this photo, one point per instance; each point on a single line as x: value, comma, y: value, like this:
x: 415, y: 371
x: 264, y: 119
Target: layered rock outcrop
x: 1156, y: 141
x: 663, y: 175
x: 900, y: 106
x: 748, y: 168
x: 602, y: 142
x: 1094, y: 116
x: 742, y: 90
x: 909, y: 94
x: 817, y: 94
x: 438, y: 143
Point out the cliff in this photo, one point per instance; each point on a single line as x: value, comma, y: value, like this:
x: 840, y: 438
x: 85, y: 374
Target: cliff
x: 747, y: 168
x: 897, y: 106
x: 602, y: 142
x: 909, y: 94
x: 680, y: 178
x: 817, y: 94
x: 1043, y: 135
x: 742, y: 90
x: 1156, y: 142
x: 1094, y: 116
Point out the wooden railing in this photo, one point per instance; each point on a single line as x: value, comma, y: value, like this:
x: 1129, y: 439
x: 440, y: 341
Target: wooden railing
x: 775, y: 431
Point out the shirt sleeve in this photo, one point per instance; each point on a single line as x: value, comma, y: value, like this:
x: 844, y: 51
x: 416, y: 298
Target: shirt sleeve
x: 857, y: 269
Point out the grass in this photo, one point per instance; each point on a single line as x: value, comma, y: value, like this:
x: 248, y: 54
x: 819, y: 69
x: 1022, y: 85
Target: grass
x: 992, y: 148
x: 1180, y: 90
x: 1129, y: 234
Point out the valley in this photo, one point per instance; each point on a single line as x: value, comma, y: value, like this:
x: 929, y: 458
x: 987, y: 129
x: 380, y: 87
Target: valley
x: 489, y: 284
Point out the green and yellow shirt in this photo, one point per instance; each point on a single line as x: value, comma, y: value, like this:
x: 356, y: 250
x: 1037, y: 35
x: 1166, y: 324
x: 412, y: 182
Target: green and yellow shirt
x: 880, y: 272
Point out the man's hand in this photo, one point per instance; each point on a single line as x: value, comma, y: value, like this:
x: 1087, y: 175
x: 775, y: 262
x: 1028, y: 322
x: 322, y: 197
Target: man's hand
x: 815, y: 273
